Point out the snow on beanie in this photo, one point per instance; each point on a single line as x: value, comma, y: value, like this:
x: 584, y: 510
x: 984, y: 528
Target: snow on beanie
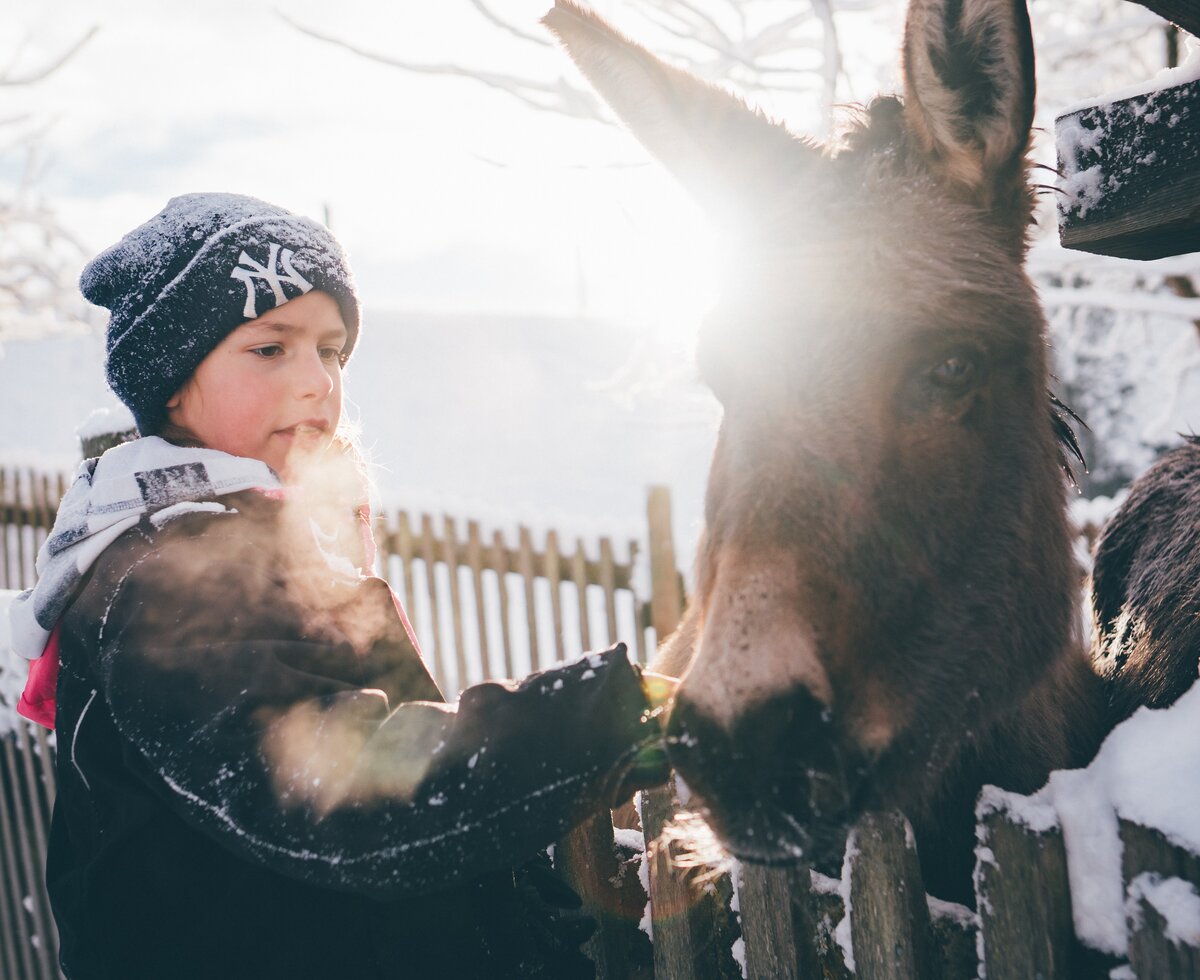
x: 179, y: 284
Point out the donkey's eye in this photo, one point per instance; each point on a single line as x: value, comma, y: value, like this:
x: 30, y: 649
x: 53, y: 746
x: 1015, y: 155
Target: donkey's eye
x: 954, y: 373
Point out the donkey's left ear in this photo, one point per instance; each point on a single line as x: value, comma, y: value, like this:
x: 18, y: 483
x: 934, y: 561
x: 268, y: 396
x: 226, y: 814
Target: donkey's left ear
x: 968, y: 78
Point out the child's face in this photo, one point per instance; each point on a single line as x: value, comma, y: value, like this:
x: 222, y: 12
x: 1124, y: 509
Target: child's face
x: 272, y: 389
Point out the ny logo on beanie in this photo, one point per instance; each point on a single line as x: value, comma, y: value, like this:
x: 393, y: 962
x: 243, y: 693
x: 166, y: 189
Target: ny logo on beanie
x: 270, y: 273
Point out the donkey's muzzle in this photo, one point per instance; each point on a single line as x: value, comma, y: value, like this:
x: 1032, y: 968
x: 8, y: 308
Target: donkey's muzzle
x: 779, y: 786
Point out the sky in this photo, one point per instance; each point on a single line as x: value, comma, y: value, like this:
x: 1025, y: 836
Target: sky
x: 447, y: 194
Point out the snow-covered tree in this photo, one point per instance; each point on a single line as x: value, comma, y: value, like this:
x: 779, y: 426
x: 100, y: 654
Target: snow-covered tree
x: 38, y: 256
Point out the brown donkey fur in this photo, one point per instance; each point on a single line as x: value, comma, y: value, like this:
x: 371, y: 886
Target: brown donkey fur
x: 885, y: 606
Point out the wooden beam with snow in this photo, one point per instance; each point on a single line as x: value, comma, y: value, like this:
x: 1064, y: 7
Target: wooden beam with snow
x: 1185, y: 13
x: 1131, y: 174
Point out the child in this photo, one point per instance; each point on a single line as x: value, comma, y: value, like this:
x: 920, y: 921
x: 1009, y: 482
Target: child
x: 257, y: 776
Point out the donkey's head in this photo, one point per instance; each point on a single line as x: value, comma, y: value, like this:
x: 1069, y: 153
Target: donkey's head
x: 885, y: 563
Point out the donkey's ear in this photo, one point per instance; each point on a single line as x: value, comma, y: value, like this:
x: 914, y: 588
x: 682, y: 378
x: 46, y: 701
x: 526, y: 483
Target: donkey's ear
x: 724, y: 152
x: 968, y: 78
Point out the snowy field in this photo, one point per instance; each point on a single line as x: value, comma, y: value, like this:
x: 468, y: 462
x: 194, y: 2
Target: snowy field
x: 552, y: 422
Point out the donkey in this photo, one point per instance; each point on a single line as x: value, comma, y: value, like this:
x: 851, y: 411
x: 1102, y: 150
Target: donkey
x: 885, y: 610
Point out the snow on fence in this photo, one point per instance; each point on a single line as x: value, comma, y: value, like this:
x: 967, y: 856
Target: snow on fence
x: 491, y: 606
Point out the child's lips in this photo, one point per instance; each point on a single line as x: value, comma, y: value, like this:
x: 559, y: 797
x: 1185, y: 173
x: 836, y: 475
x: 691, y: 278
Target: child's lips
x: 306, y: 429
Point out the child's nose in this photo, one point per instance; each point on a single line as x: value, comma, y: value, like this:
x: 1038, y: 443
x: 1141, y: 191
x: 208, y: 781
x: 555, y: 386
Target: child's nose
x: 313, y: 376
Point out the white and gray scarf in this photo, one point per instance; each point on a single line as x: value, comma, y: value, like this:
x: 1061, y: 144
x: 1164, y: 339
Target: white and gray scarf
x: 109, y: 495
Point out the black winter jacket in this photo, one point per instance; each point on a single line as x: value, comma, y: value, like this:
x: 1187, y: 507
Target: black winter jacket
x: 257, y: 777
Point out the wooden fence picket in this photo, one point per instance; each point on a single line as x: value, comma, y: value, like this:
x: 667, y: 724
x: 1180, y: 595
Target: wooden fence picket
x: 1145, y: 851
x: 475, y: 564
x: 449, y: 558
x: 693, y: 929
x: 428, y: 553
x: 525, y: 569
x: 552, y: 572
x: 404, y: 541
x: 780, y: 935
x: 33, y: 847
x: 34, y: 926
x: 501, y: 564
x: 23, y: 522
x: 6, y: 512
x: 579, y: 577
x: 608, y: 584
x: 889, y: 919
x: 692, y: 926
x: 1024, y: 900
x: 587, y: 858
x: 18, y: 938
x: 1152, y: 953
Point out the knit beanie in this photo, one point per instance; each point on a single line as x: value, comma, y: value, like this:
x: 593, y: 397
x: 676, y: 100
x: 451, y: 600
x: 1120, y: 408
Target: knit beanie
x: 178, y: 285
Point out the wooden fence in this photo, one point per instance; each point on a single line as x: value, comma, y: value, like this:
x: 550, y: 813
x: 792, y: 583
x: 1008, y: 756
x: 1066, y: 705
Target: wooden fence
x: 488, y: 606
x: 483, y: 605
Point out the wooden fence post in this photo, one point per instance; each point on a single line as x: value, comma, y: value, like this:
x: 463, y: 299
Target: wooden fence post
x: 666, y: 588
x: 693, y: 928
x: 1152, y: 953
x: 889, y: 915
x: 1023, y: 895
x: 779, y: 924
x: 1144, y: 849
x: 587, y: 858
x: 1149, y: 859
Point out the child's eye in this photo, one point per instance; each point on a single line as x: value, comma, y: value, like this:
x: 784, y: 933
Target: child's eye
x: 332, y: 354
x: 267, y: 351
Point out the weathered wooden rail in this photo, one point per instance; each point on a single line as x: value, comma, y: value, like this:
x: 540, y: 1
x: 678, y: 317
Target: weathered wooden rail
x: 488, y: 605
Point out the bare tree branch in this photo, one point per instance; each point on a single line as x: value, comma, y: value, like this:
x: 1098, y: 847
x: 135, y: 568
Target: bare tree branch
x: 701, y: 17
x: 558, y: 96
x: 777, y: 37
x: 775, y: 57
x: 508, y: 28
x: 39, y: 258
x: 833, y: 53
x: 37, y: 74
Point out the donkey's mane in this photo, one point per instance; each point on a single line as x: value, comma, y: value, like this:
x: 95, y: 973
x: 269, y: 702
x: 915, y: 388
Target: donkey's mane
x: 874, y: 126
